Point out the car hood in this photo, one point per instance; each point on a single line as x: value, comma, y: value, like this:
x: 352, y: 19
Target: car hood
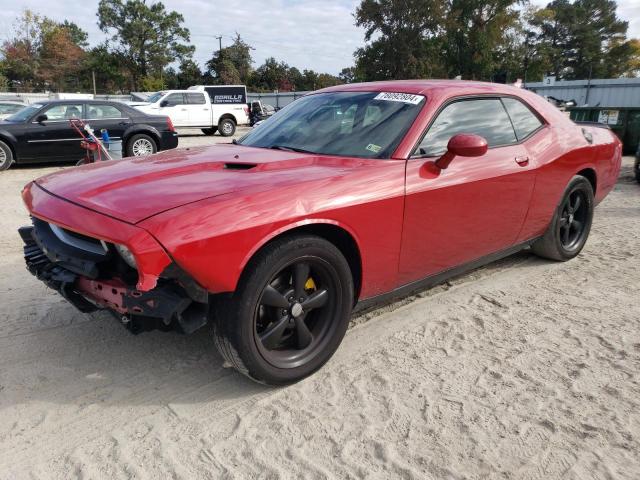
x: 136, y: 189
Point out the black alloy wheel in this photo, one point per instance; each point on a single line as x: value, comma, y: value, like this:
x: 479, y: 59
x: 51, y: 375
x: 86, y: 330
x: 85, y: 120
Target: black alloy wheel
x: 290, y: 310
x: 573, y: 219
x: 293, y: 319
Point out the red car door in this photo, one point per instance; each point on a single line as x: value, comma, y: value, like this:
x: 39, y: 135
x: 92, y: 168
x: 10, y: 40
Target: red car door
x: 477, y: 205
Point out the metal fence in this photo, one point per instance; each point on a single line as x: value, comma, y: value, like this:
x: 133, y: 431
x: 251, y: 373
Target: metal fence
x: 278, y: 100
x: 30, y: 98
x: 615, y: 92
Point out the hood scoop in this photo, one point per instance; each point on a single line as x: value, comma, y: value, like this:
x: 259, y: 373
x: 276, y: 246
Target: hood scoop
x: 239, y: 166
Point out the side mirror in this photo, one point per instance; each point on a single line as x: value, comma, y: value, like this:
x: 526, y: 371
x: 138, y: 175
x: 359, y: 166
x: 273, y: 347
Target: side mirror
x: 164, y: 103
x: 42, y: 118
x: 462, y: 145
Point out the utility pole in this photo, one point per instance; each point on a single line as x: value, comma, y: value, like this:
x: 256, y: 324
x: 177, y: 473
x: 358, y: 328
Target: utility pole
x: 93, y: 78
x: 220, y: 43
x: 586, y: 98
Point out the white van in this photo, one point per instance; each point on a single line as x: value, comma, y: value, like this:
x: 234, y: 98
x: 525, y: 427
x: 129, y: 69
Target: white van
x: 210, y: 108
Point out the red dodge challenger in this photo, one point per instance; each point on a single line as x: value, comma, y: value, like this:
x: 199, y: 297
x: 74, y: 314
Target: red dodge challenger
x: 345, y: 198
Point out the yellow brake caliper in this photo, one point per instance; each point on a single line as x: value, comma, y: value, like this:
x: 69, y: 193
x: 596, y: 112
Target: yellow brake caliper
x: 310, y: 285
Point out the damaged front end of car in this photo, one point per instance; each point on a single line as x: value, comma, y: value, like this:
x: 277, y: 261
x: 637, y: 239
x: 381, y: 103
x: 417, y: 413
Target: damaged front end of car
x: 94, y: 274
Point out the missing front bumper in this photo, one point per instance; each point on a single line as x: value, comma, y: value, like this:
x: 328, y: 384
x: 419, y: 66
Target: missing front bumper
x: 166, y: 307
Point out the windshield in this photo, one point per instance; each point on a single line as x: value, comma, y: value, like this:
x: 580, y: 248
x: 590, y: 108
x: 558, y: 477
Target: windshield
x: 24, y: 114
x: 357, y: 124
x: 155, y: 97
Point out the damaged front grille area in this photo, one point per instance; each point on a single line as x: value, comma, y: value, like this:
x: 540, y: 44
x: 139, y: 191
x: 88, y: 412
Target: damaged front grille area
x: 54, y: 276
x: 92, y: 276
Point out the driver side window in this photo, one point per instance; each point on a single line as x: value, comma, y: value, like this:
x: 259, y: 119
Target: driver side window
x: 485, y: 117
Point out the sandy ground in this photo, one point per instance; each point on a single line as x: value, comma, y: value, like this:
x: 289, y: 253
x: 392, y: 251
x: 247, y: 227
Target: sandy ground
x: 525, y: 369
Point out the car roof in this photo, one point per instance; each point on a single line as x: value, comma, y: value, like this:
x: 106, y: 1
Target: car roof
x: 423, y: 87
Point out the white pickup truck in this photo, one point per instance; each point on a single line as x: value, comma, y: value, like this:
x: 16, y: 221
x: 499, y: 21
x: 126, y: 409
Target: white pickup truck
x: 211, y: 108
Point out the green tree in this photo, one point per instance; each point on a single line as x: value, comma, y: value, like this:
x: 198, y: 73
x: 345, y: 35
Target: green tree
x: 475, y: 30
x: 348, y: 75
x: 78, y: 35
x: 270, y: 75
x: 596, y: 30
x: 152, y: 83
x: 309, y: 80
x: 21, y: 53
x: 623, y: 59
x: 189, y: 74
x: 146, y: 37
x: 60, y: 60
x: 583, y: 39
x: 232, y: 64
x: 403, y: 38
x: 552, y: 27
x: 43, y: 54
x: 4, y: 83
x: 108, y: 68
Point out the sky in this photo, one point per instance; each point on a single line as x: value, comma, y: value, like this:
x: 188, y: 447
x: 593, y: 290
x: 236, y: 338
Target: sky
x: 315, y: 34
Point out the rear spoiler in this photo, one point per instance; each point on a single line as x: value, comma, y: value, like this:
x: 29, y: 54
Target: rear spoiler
x: 593, y: 124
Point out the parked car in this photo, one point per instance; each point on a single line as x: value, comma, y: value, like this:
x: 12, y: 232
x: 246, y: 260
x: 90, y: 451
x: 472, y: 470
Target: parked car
x: 8, y: 108
x: 210, y: 108
x: 41, y: 132
x: 347, y: 197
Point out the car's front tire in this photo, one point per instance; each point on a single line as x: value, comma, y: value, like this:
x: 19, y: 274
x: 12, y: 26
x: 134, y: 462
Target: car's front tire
x: 226, y: 127
x: 141, y: 145
x: 571, y: 223
x: 6, y: 156
x: 289, y: 313
x: 209, y: 131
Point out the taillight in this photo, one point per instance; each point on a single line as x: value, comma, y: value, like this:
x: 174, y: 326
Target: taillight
x: 170, y: 125
x: 246, y: 109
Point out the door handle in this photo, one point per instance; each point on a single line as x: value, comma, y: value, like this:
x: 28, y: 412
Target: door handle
x: 183, y: 109
x: 523, y: 160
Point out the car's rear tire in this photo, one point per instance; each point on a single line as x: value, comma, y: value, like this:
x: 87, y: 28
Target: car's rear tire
x: 226, y: 127
x: 289, y: 312
x: 141, y: 145
x: 210, y: 131
x: 571, y: 223
x: 6, y: 156
x: 636, y: 169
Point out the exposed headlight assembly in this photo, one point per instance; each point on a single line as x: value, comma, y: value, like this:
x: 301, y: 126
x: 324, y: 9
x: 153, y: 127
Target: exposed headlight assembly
x: 126, y: 255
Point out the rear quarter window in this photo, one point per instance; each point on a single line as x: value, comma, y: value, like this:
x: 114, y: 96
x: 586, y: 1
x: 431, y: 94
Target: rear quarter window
x: 525, y: 122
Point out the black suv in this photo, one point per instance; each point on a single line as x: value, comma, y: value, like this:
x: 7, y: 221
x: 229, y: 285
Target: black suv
x: 41, y: 132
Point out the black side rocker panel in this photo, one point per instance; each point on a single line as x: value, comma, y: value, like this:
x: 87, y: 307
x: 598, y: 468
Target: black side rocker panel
x: 438, y: 278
